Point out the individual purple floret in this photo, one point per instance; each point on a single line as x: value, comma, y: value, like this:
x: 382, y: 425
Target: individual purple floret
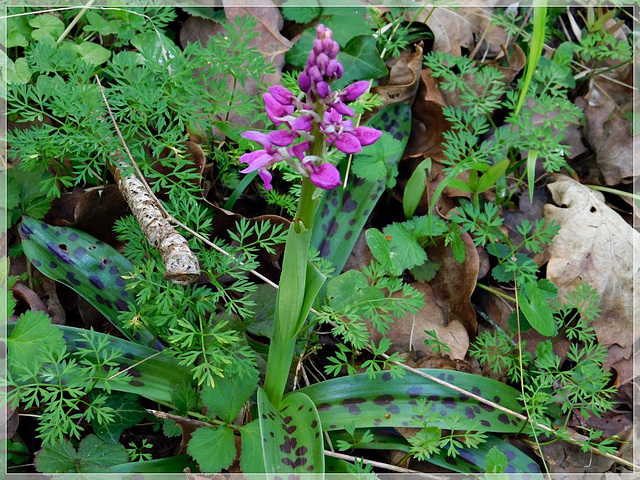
x: 317, y: 119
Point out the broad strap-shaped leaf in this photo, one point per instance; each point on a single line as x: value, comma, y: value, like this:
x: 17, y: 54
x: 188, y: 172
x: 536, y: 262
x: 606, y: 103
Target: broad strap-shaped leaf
x: 468, y: 460
x: 291, y: 435
x: 88, y: 266
x: 342, y: 213
x: 154, y: 376
x: 176, y: 464
x: 388, y: 402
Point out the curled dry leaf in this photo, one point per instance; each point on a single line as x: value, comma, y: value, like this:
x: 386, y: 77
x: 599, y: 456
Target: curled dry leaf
x: 427, y: 121
x: 408, y: 334
x: 516, y: 62
x: 455, y: 282
x: 404, y: 76
x: 595, y: 245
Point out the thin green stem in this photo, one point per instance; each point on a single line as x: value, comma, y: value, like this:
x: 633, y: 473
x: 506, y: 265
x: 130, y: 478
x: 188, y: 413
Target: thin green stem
x: 496, y: 292
x: 620, y: 193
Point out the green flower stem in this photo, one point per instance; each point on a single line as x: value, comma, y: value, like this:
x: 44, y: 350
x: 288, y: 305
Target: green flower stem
x: 291, y: 309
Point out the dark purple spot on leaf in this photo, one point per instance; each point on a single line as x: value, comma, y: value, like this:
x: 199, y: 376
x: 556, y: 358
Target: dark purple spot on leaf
x: 332, y: 426
x: 433, y: 398
x: 113, y: 270
x: 100, y: 299
x: 289, y: 444
x: 120, y: 281
x: 533, y: 467
x: 96, y: 282
x: 476, y: 391
x: 383, y: 400
x: 72, y: 278
x: 496, y: 399
x: 414, y: 392
x: 468, y: 412
x: 25, y: 231
x: 487, y: 408
x: 405, y: 424
x: 463, y: 397
x: 348, y: 235
x: 314, y: 424
x: 393, y: 409
x: 79, y: 253
x: 121, y: 305
x: 476, y: 409
x: 503, y: 418
x: 323, y: 407
x: 301, y: 451
x: 287, y: 420
x: 510, y: 468
x: 450, y: 461
x: 352, y: 221
x: 300, y: 407
x: 334, y: 200
x: 272, y: 435
x: 510, y: 454
x: 449, y: 402
x: 468, y: 456
x: 136, y: 383
x: 450, y: 378
x: 366, y: 212
x: 291, y: 429
x: 44, y: 226
x: 333, y: 229
x: 73, y: 236
x: 53, y: 264
x: 377, y: 421
x: 310, y: 468
x: 59, y: 253
x: 386, y: 376
x: 514, y: 422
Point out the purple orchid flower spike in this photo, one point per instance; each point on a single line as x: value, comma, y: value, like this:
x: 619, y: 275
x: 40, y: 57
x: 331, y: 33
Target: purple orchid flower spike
x: 305, y: 125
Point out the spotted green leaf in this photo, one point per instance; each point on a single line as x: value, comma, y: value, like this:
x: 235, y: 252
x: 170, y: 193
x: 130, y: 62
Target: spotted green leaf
x: 154, y: 374
x: 389, y: 402
x: 86, y: 265
x: 468, y: 460
x: 127, y: 412
x: 342, y: 213
x: 291, y: 435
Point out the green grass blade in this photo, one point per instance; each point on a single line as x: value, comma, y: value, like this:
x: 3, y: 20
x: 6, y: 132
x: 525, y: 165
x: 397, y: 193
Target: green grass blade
x: 88, y: 266
x: 342, y: 213
x: 535, y: 48
x: 389, y: 402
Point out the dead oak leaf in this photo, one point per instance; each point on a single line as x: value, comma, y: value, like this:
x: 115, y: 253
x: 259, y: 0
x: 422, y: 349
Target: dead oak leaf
x: 594, y: 245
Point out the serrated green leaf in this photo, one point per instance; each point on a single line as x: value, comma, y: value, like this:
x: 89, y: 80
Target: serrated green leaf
x: 156, y: 47
x: 229, y: 395
x: 291, y: 435
x: 415, y: 188
x: 251, y: 458
x: 426, y: 272
x: 46, y: 25
x: 371, y: 163
x: 361, y: 61
x: 93, y: 53
x: 213, y: 448
x: 32, y: 337
x: 95, y: 455
x: 496, y: 461
x: 405, y: 249
x: 58, y: 457
x: 127, y: 412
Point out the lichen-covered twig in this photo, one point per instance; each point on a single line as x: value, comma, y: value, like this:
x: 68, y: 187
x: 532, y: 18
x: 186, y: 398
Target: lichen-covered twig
x: 181, y: 265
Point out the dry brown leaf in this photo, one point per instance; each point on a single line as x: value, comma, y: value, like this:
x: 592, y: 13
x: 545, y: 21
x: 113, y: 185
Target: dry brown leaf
x: 517, y: 60
x: 427, y: 122
x: 451, y: 29
x: 404, y: 76
x: 595, y: 245
x: 408, y: 334
x: 455, y: 282
x: 608, y: 131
